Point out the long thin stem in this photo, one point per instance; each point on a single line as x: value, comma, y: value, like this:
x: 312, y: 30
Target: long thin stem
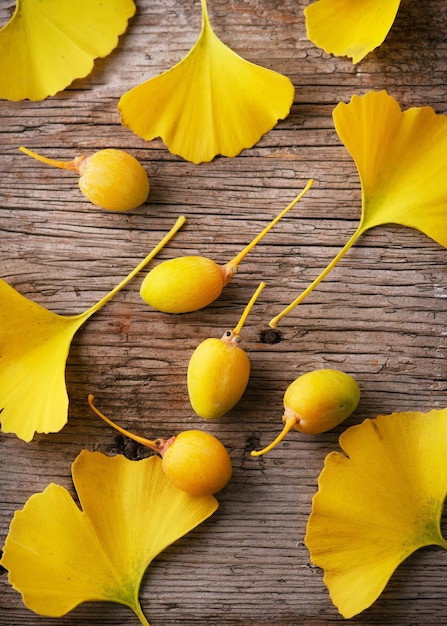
x: 63, y: 165
x: 274, y: 321
x: 289, y: 423
x: 145, y: 442
x: 238, y: 327
x: 178, y: 224
x: 230, y: 268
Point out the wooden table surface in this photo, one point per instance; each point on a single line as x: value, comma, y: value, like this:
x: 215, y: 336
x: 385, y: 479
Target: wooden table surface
x: 380, y: 315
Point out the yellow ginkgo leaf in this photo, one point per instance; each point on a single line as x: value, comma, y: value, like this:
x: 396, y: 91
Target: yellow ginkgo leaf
x: 59, y: 556
x: 46, y: 45
x: 212, y: 102
x: 401, y: 158
x: 378, y: 504
x: 34, y: 346
x: 350, y: 27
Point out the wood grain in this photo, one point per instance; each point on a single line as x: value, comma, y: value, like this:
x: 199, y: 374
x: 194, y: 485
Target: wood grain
x: 380, y: 315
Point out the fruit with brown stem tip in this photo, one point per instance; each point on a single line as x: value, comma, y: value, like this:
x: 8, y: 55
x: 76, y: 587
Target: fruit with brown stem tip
x: 111, y: 179
x: 190, y: 283
x: 194, y: 460
x: 219, y: 370
x: 316, y: 402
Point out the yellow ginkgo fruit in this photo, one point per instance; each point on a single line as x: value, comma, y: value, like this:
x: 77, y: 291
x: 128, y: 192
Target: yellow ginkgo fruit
x: 377, y: 503
x: 350, y: 27
x: 34, y: 346
x: 59, y: 556
x: 401, y: 158
x: 47, y: 44
x: 212, y: 102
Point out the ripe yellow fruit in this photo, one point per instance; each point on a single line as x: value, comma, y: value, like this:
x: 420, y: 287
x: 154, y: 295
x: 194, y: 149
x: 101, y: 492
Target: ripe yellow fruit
x: 182, y: 285
x: 111, y: 179
x: 316, y: 402
x: 195, y: 461
x: 218, y: 375
x: 219, y: 370
x: 114, y: 180
x: 191, y: 283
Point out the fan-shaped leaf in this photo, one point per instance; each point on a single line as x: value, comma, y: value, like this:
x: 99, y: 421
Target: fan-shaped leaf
x: 401, y: 157
x: 350, y: 27
x: 48, y: 44
x: 378, y: 503
x: 212, y: 102
x: 59, y: 556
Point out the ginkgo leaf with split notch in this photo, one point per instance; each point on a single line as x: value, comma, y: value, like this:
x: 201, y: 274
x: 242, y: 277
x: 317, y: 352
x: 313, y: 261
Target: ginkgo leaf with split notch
x: 59, y: 556
x: 48, y: 44
x: 401, y: 158
x: 378, y: 502
x: 350, y: 27
x: 212, y: 102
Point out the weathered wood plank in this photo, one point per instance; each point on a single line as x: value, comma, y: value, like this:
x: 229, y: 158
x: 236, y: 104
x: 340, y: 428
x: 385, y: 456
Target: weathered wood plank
x: 380, y: 315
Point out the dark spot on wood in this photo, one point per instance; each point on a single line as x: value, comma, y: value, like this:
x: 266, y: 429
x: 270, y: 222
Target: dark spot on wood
x: 129, y: 448
x: 252, y: 443
x: 270, y: 335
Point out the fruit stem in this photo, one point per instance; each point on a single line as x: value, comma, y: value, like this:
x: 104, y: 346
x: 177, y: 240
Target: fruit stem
x: 237, y: 329
x: 178, y: 224
x: 64, y: 165
x: 289, y: 423
x: 230, y: 268
x: 158, y: 445
x: 274, y: 321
